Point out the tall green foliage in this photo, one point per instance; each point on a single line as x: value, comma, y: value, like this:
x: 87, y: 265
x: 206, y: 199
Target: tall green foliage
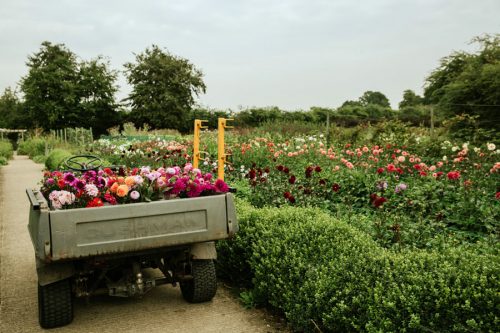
x: 96, y: 89
x: 11, y: 115
x: 410, y: 99
x: 163, y: 89
x: 6, y: 150
x: 61, y: 91
x: 374, y: 97
x: 50, y: 87
x: 371, y: 106
x: 469, y: 83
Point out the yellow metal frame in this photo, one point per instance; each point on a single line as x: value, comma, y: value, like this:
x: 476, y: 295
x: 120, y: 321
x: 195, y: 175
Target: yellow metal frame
x: 198, y: 126
x: 221, y: 151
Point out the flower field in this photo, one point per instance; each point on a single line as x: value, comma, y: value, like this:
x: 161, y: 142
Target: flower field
x: 394, y: 232
x: 151, y: 152
x: 403, y: 197
x: 401, y: 193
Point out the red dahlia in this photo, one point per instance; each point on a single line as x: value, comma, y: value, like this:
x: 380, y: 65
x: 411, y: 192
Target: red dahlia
x: 96, y: 202
x: 379, y: 201
x: 453, y: 175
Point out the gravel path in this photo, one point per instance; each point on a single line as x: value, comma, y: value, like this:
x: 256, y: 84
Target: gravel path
x: 161, y: 310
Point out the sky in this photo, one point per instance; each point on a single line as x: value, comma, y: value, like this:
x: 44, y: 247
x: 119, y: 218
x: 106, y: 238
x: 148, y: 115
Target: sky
x: 293, y: 54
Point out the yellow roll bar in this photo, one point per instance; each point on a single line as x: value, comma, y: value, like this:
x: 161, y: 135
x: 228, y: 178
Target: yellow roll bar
x: 198, y: 126
x: 221, y: 152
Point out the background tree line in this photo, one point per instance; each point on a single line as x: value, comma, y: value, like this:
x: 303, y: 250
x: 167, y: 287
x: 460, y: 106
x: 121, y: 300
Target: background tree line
x: 62, y: 90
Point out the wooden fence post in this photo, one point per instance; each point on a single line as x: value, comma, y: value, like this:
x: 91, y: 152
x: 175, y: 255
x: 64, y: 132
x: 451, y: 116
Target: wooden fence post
x: 432, y: 121
x: 328, y: 128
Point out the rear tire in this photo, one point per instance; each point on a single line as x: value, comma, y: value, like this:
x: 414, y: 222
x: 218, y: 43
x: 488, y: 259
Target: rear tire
x: 55, y: 304
x: 203, y: 286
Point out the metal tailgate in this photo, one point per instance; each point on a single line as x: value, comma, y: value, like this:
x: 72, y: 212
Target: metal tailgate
x: 87, y: 232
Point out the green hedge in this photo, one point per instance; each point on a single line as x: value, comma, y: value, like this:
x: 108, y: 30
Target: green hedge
x: 32, y: 147
x: 6, y: 150
x: 56, y: 158
x: 40, y: 159
x: 321, y: 271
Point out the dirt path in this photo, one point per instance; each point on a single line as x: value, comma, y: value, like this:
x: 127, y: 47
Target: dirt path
x: 161, y: 310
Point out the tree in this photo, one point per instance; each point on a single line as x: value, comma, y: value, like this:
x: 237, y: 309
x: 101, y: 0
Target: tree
x: 410, y: 99
x: 449, y: 69
x: 211, y: 116
x: 11, y: 115
x: 469, y: 83
x: 49, y: 88
x: 96, y: 90
x: 351, y: 103
x: 61, y: 91
x: 374, y: 97
x: 320, y: 114
x: 163, y: 86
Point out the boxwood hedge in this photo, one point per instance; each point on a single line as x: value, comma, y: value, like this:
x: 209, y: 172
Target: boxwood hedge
x: 32, y: 147
x: 56, y: 158
x: 323, y: 273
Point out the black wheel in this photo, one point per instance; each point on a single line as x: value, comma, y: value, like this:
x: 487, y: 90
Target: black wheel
x: 83, y: 163
x: 203, y: 286
x: 55, y: 305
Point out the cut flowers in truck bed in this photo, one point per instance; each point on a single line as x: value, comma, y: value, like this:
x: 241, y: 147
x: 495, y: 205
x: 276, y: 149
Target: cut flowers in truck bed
x: 92, y: 188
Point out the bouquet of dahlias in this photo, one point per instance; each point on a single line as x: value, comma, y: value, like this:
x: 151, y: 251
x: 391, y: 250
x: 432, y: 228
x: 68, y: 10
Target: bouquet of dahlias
x: 66, y: 190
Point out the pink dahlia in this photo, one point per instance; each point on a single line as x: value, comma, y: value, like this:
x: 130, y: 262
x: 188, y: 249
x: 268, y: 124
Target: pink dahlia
x: 221, y: 186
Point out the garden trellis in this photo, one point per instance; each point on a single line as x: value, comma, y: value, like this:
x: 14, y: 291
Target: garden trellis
x: 7, y: 130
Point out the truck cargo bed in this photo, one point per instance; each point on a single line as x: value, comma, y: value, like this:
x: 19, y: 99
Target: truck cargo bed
x: 85, y: 232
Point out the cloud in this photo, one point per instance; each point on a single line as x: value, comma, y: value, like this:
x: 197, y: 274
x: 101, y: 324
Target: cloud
x: 293, y: 54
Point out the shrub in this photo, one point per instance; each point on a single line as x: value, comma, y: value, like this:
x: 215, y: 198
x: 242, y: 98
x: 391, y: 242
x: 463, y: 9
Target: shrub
x: 6, y: 150
x: 56, y: 158
x: 234, y: 255
x: 3, y: 161
x: 32, y: 147
x: 321, y: 271
x: 40, y: 159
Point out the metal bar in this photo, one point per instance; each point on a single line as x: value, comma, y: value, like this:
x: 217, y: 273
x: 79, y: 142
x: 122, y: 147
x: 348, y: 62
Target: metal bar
x: 34, y: 202
x: 196, y: 143
x: 221, y: 154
